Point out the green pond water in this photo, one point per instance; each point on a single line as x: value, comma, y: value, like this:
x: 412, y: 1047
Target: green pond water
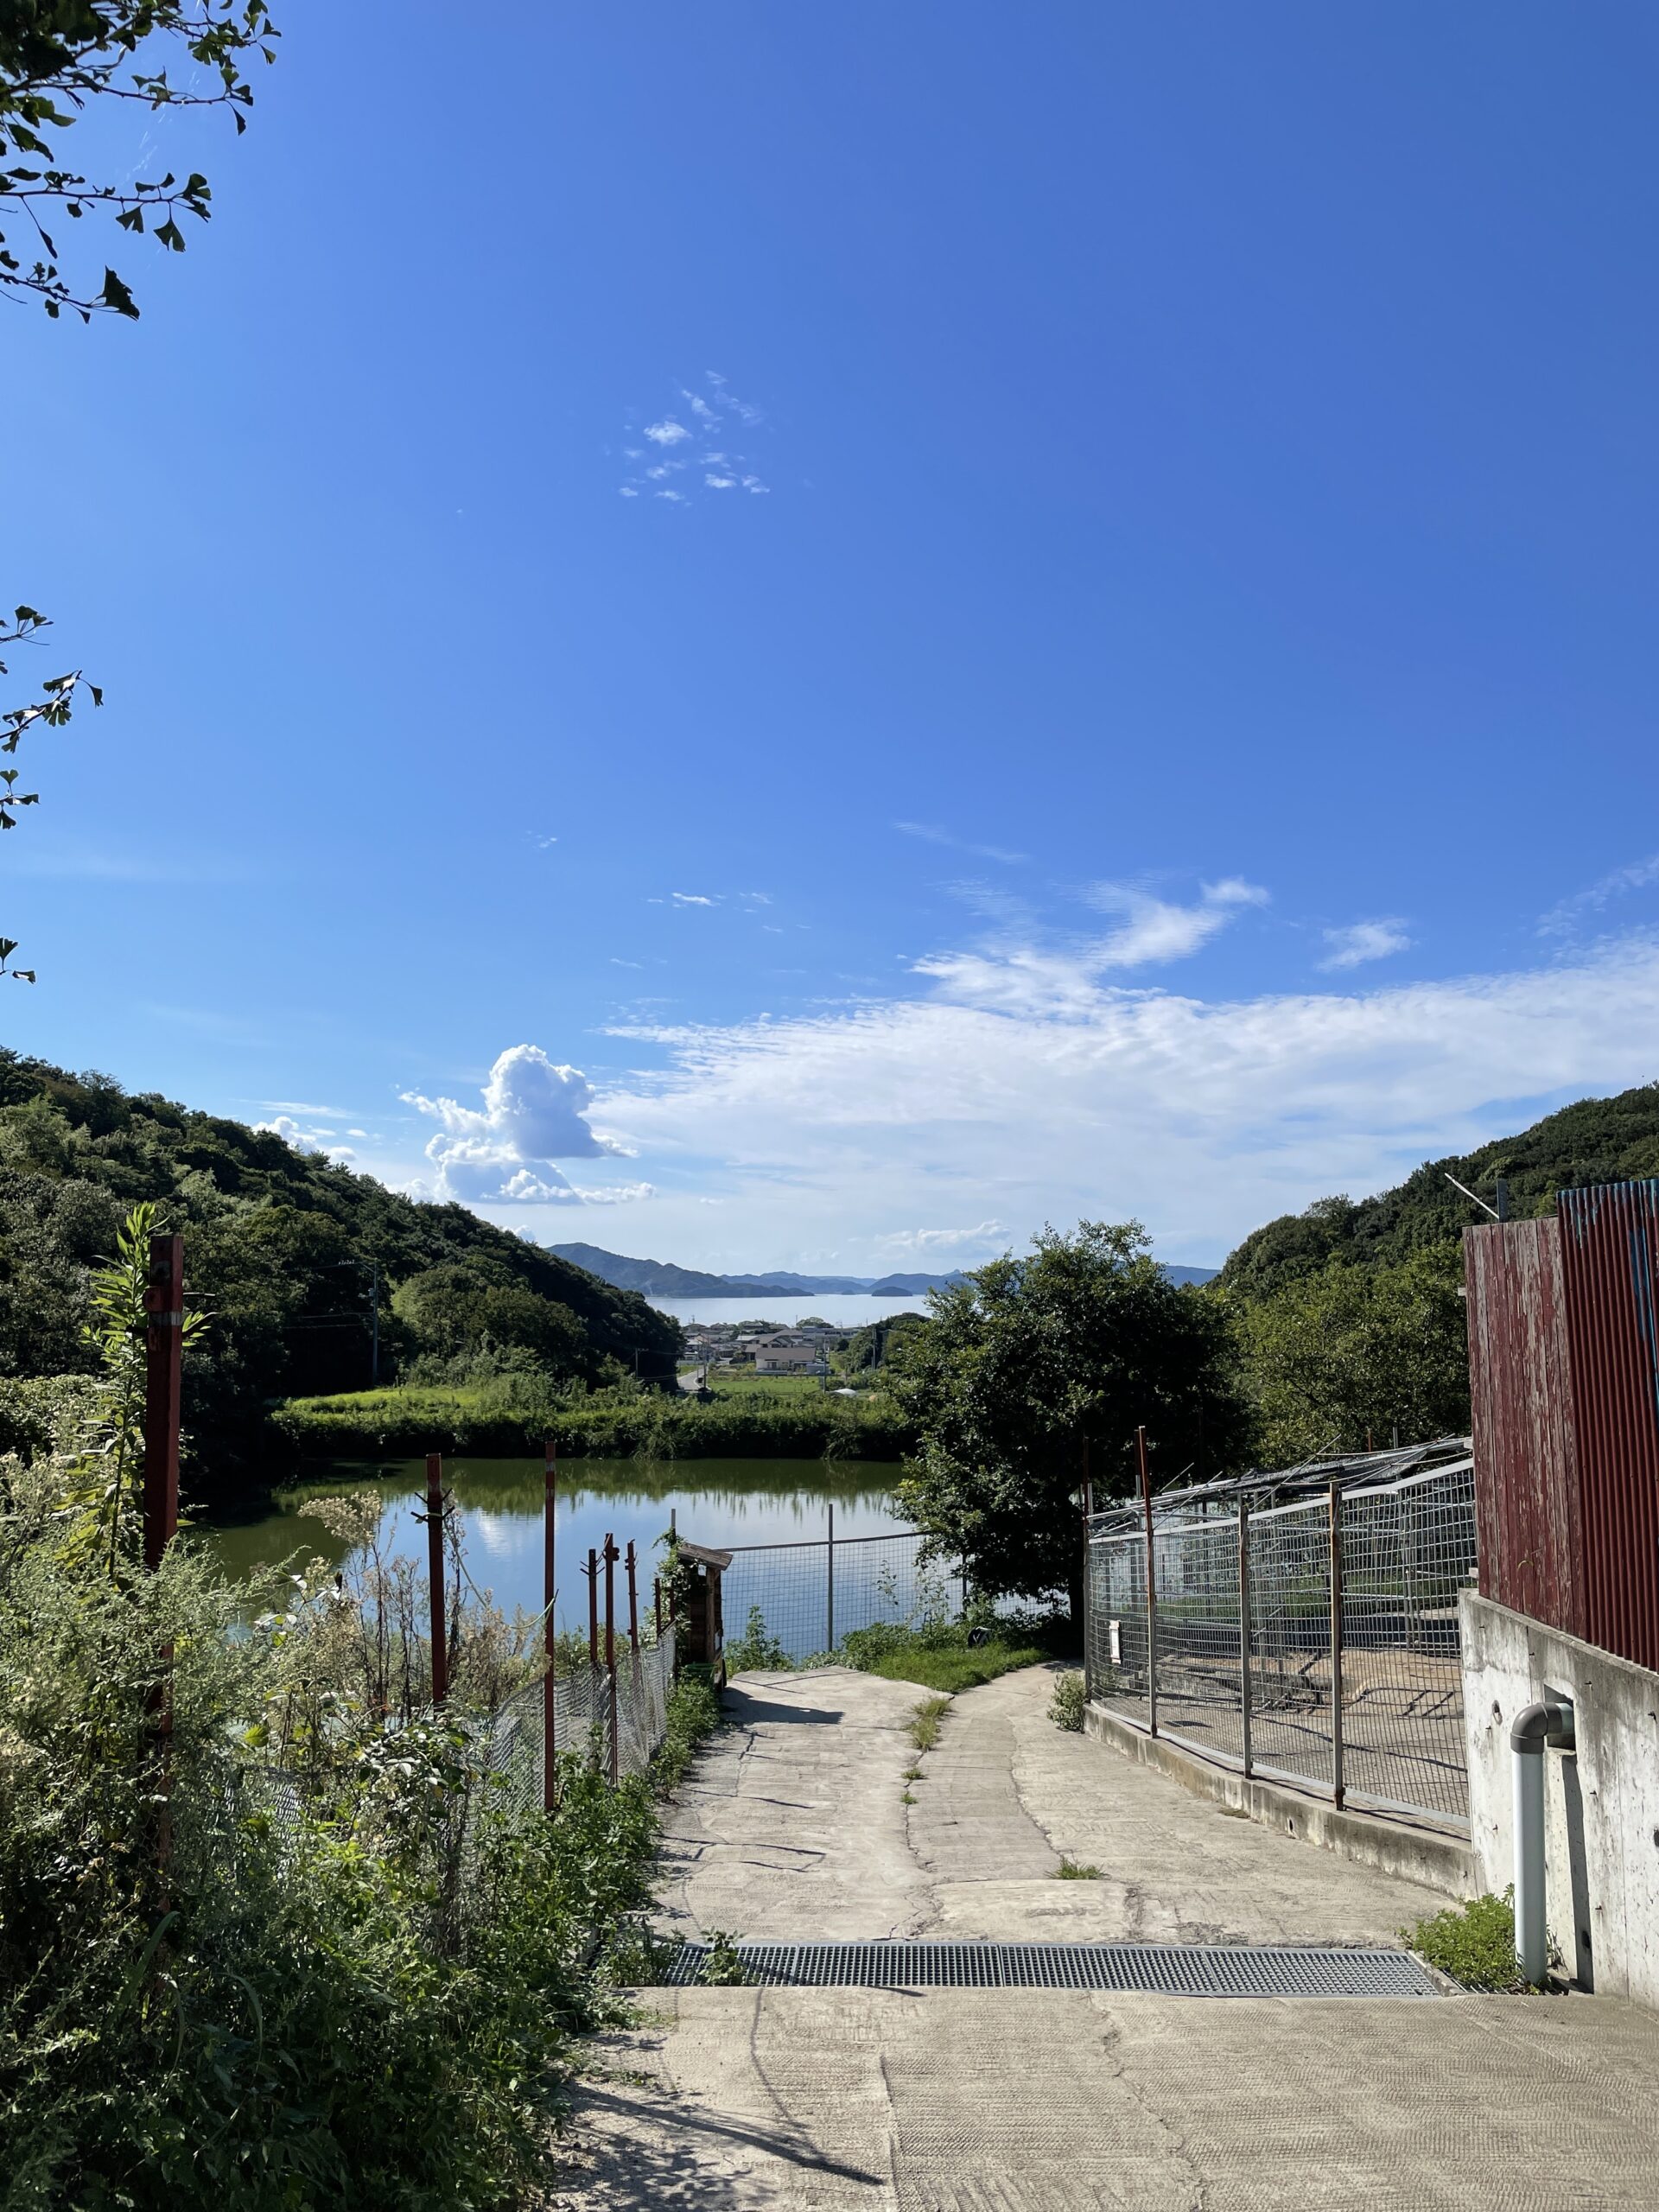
x: 720, y: 1502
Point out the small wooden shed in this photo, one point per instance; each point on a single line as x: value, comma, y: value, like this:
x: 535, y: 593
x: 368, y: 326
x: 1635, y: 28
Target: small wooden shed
x: 703, y: 1632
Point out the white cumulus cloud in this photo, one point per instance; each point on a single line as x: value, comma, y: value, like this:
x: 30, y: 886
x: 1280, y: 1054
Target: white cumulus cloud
x: 666, y: 433
x: 533, y: 1114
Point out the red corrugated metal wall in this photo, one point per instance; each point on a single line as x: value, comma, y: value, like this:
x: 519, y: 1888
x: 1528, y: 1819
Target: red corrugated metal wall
x: 1610, y: 1260
x: 1527, y: 1490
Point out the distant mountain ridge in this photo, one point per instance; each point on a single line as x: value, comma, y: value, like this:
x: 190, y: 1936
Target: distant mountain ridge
x: 662, y: 1278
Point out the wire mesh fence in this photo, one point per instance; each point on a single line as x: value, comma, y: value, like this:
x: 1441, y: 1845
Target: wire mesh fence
x: 802, y: 1601
x: 1304, y: 1626
x: 588, y: 1717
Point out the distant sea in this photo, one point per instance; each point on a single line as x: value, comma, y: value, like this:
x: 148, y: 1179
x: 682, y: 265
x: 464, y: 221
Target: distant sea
x: 847, y: 1310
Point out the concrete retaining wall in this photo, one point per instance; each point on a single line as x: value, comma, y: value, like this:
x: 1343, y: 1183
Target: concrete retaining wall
x: 1601, y: 1802
x: 1416, y: 1854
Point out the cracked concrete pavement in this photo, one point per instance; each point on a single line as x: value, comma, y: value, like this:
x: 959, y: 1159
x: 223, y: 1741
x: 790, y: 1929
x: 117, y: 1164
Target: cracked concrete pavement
x: 794, y: 1826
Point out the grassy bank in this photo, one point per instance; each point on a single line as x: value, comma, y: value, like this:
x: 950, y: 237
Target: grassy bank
x: 490, y: 1420
x: 943, y: 1656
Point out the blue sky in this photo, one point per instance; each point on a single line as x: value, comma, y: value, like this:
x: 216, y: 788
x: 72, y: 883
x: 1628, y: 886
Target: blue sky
x: 1142, y: 701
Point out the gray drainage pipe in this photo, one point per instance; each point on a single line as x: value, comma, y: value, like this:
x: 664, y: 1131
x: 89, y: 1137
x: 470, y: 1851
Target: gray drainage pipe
x: 1535, y: 1727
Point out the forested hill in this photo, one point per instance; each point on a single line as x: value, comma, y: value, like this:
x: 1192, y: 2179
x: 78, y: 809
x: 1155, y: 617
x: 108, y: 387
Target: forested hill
x: 1595, y: 1140
x: 279, y: 1248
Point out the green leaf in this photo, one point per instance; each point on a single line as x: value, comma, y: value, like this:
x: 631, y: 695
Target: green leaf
x: 168, y: 234
x: 115, y: 295
x: 131, y: 219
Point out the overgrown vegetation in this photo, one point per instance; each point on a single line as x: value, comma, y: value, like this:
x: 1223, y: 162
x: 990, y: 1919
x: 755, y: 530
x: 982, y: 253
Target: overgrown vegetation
x: 1075, y: 1870
x: 1474, y: 1942
x: 305, y: 1949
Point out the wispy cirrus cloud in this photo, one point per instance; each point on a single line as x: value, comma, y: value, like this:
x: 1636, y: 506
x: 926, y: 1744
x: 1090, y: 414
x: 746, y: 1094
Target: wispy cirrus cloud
x: 1155, y: 930
x: 934, y: 833
x: 1566, y: 917
x: 1352, y: 945
x: 715, y: 412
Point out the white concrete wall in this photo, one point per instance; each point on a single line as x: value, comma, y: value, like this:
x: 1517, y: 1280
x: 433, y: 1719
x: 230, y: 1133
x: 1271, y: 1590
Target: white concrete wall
x: 1601, y: 1800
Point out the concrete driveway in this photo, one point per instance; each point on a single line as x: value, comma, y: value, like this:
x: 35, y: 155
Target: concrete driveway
x: 795, y: 1827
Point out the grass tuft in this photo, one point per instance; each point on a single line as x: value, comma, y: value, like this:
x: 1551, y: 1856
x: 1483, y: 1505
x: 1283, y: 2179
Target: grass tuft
x: 1075, y: 1870
x: 925, y: 1722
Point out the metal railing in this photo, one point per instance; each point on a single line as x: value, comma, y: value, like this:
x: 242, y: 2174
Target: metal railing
x: 1303, y: 1626
x: 806, y: 1598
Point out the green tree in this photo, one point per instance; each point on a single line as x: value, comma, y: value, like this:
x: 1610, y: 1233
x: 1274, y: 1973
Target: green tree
x: 1025, y: 1361
x: 1337, y: 1359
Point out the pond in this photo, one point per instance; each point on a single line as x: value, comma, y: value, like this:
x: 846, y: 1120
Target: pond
x: 720, y: 1502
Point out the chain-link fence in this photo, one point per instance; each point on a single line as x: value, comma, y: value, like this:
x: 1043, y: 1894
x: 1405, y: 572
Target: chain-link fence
x: 591, y: 1712
x: 1303, y: 1626
x: 803, y: 1599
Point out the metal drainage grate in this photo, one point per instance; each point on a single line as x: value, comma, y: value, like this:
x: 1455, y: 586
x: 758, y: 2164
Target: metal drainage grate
x: 1161, y: 1969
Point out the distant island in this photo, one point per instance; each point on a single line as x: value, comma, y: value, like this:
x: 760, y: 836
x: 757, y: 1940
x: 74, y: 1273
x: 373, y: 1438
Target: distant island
x: 662, y: 1278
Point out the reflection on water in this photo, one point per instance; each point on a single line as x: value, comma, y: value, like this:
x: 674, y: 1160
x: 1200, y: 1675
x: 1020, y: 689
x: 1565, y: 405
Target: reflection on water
x: 713, y: 1501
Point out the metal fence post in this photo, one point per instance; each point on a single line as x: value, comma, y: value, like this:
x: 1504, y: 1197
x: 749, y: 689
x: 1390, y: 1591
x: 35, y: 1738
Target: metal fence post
x: 163, y: 1376
x: 591, y: 1571
x: 656, y: 1603
x: 1152, y: 1585
x: 163, y: 1381
x: 829, y: 1586
x: 1336, y: 1641
x: 611, y: 1556
x: 434, y: 1518
x: 1088, y: 1608
x: 549, y: 1632
x: 1244, y: 1686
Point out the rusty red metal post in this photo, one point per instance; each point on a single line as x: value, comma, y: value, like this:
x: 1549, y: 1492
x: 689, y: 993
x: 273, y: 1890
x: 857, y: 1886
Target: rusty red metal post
x: 592, y: 1572
x: 163, y: 1381
x: 550, y: 1631
x: 656, y: 1603
x: 611, y: 1556
x: 1152, y: 1583
x: 164, y: 1377
x: 1336, y: 1788
x: 630, y: 1569
x: 434, y: 1576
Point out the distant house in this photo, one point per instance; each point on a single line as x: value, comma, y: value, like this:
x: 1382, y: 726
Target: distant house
x: 784, y: 1359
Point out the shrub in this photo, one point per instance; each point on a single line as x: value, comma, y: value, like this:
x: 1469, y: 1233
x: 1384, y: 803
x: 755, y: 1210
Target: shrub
x: 757, y: 1651
x: 1474, y: 1943
x: 1066, y: 1707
